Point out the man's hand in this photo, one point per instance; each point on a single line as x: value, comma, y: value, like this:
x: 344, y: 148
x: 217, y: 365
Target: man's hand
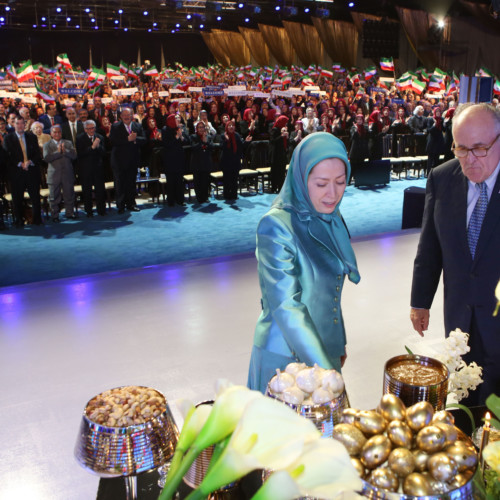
x: 420, y: 320
x: 132, y: 136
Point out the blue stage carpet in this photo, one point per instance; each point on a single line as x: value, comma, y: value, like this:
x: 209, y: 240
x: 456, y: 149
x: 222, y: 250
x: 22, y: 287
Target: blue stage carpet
x: 160, y: 234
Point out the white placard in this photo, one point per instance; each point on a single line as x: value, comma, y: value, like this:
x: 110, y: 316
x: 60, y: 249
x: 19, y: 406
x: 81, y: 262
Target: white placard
x: 30, y: 99
x: 282, y: 93
x: 386, y: 79
x: 163, y: 93
x: 74, y: 81
x: 29, y: 90
x: 129, y: 91
x: 297, y: 90
x: 237, y: 87
x: 262, y: 95
x: 117, y: 77
x: 195, y: 89
x: 176, y: 91
x: 436, y: 96
x: 69, y: 102
x: 4, y: 93
x: 312, y: 88
x: 106, y: 100
x: 181, y: 100
x: 232, y: 93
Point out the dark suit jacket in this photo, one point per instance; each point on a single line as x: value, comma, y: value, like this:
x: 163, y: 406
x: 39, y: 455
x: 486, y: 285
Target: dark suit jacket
x: 15, y: 153
x: 45, y: 120
x: 89, y: 158
x: 126, y: 153
x: 469, y: 285
x: 66, y: 130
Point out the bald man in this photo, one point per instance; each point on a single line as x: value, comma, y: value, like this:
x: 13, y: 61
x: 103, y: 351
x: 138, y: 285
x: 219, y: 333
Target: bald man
x: 461, y: 237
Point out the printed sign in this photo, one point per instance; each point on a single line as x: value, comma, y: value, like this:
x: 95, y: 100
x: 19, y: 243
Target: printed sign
x: 64, y: 91
x: 129, y: 91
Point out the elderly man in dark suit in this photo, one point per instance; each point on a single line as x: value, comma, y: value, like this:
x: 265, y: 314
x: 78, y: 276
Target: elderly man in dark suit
x: 23, y: 162
x: 90, y: 150
x: 59, y: 154
x: 127, y: 138
x: 461, y: 237
x: 71, y: 128
x: 50, y: 118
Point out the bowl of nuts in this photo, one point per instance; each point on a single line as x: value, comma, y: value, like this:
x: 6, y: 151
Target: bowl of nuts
x: 125, y: 431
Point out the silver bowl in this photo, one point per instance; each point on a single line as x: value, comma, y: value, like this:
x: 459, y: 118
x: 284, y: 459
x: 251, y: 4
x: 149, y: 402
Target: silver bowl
x: 325, y: 416
x: 126, y: 451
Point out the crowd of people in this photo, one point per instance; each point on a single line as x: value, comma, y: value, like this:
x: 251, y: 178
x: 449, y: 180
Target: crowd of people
x: 91, y: 138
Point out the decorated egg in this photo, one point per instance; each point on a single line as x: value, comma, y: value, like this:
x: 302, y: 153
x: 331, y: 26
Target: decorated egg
x: 356, y: 462
x: 375, y: 451
x: 350, y: 436
x: 348, y: 415
x: 384, y: 478
x: 392, y: 408
x: 399, y: 433
x: 322, y: 395
x: 450, y: 431
x: 419, y: 415
x: 421, y: 458
x: 460, y: 479
x: 443, y: 416
x: 442, y: 467
x: 370, y: 422
x: 308, y: 379
x: 417, y: 485
x: 294, y: 368
x: 402, y: 462
x: 431, y: 439
x: 463, y: 454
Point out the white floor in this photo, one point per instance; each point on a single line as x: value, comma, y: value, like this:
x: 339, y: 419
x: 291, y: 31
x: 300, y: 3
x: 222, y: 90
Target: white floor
x: 176, y: 328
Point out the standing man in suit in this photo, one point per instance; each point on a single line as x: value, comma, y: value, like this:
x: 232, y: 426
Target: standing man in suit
x: 72, y: 128
x: 59, y: 154
x: 90, y: 150
x: 23, y: 163
x: 50, y: 118
x: 461, y: 237
x: 127, y: 138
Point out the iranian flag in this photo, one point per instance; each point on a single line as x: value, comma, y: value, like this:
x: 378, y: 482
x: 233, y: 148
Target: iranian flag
x: 435, y: 84
x: 440, y: 73
x: 112, y: 70
x: 354, y: 77
x: 132, y: 74
x: 44, y: 96
x: 25, y: 72
x: 253, y: 72
x: 336, y: 66
x: 123, y: 67
x: 452, y: 86
x: 387, y: 64
x: 11, y: 71
x: 206, y: 77
x: 63, y: 59
x: 418, y: 86
x: 326, y: 74
x: 277, y: 81
x: 370, y: 72
x: 153, y: 71
x: 424, y: 76
x: 307, y: 81
x: 404, y: 83
x: 496, y: 87
x: 97, y: 74
x: 485, y: 72
x: 287, y: 80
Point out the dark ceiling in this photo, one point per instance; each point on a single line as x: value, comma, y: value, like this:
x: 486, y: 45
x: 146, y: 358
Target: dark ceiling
x: 168, y: 15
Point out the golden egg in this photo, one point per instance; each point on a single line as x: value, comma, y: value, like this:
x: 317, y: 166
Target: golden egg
x: 400, y: 434
x: 351, y: 437
x: 375, y: 451
x: 461, y: 479
x: 370, y: 422
x: 450, y: 431
x: 431, y: 439
x: 419, y: 415
x: 463, y: 454
x: 443, y: 416
x: 356, y: 462
x: 392, y: 408
x: 417, y: 485
x: 348, y: 416
x: 402, y: 462
x: 442, y: 467
x: 384, y: 478
x: 421, y: 458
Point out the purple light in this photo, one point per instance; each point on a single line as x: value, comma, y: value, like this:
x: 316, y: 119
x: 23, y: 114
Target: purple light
x: 126, y: 29
x: 188, y: 16
x: 87, y: 10
x: 44, y: 18
x: 34, y: 26
x: 53, y: 25
x: 96, y: 27
x: 116, y: 21
x: 155, y: 25
x: 58, y: 9
x: 120, y: 11
x: 68, y: 19
x: 77, y: 26
x: 240, y: 5
x: 149, y: 30
x: 92, y: 20
x: 177, y: 25
x: 145, y: 12
x: 277, y: 7
x: 7, y: 8
x: 247, y: 20
x: 351, y: 4
x: 306, y: 10
x: 202, y: 26
x: 219, y: 18
x: 173, y: 31
x: 2, y: 19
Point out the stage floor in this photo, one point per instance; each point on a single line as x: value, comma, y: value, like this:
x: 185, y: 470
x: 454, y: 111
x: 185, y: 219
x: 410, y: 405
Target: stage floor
x: 177, y: 328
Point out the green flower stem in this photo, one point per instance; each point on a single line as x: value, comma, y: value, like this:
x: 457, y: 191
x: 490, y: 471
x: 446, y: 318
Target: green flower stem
x: 466, y: 410
x: 174, y: 477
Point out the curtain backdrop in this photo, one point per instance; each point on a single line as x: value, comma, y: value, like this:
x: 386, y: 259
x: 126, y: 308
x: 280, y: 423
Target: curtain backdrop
x: 279, y: 44
x: 306, y: 42
x: 256, y: 44
x: 216, y: 49
x: 234, y: 46
x: 359, y: 17
x: 340, y: 40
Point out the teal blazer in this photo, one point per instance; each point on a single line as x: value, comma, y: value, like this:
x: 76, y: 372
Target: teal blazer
x: 301, y: 278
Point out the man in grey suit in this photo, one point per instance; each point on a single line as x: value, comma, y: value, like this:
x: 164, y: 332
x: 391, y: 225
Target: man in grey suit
x: 59, y: 154
x: 461, y: 237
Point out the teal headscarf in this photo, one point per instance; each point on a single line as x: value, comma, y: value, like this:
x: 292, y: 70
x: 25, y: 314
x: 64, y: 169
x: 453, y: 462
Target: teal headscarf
x: 294, y: 194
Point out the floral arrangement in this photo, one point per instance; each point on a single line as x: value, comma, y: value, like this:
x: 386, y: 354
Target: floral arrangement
x: 252, y: 432
x: 491, y: 453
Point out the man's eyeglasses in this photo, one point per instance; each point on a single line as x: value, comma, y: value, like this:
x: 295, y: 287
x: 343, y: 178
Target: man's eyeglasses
x: 478, y: 152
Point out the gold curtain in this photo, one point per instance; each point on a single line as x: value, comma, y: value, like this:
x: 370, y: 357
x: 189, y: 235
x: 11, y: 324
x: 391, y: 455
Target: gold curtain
x: 340, y: 40
x: 216, y: 50
x: 279, y: 44
x: 416, y: 24
x: 306, y: 42
x: 233, y: 44
x: 256, y: 44
x: 359, y: 17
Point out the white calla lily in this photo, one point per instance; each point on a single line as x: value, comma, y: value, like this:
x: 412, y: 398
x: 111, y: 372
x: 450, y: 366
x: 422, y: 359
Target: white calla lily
x: 269, y: 436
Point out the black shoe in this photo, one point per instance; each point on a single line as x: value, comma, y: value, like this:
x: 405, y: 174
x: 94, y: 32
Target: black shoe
x: 56, y: 219
x: 102, y: 214
x: 90, y: 214
x: 121, y: 210
x: 71, y: 217
x: 135, y: 209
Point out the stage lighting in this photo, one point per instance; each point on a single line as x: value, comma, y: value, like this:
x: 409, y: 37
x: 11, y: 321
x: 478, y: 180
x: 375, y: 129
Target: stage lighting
x: 57, y: 10
x: 219, y: 18
x: 34, y: 26
x: 120, y: 11
x: 173, y: 31
x: 306, y: 10
x: 145, y: 13
x: 116, y: 21
x: 247, y: 20
x: 322, y: 12
x: 125, y: 29
x: 240, y: 5
x: 44, y: 18
x: 351, y: 4
x: 2, y: 19
x: 87, y: 10
x: 277, y: 7
x: 68, y: 19
x: 7, y: 8
x: 291, y: 11
x: 177, y: 25
x: 77, y: 26
x: 202, y: 26
x: 441, y: 24
x: 92, y: 20
x: 149, y: 30
x: 155, y: 25
x: 53, y: 25
x: 257, y: 9
x: 188, y: 16
x: 96, y: 27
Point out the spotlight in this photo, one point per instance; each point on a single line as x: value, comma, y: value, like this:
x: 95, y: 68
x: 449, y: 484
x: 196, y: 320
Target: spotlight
x: 87, y: 10
x: 145, y: 13
x: 44, y: 18
x: 77, y: 26
x: 441, y: 23
x: 351, y: 4
x: 257, y: 9
x: 155, y: 25
x: 306, y: 10
x: 116, y: 21
x: 149, y: 30
x: 202, y: 26
x: 53, y: 25
x: 125, y: 29
x: 120, y: 11
x: 240, y: 6
x: 68, y: 19
x: 34, y: 26
x: 173, y: 31
x: 57, y: 10
x: 96, y: 27
x: 7, y: 8
x: 188, y: 16
x: 92, y: 20
x: 177, y: 25
x: 277, y: 7
x: 2, y: 19
x: 247, y: 20
x: 219, y: 18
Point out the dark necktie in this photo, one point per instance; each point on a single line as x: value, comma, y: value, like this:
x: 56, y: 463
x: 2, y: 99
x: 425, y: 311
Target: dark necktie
x: 476, y: 219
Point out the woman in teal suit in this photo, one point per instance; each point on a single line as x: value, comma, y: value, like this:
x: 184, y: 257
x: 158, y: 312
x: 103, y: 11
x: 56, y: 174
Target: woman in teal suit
x: 304, y: 253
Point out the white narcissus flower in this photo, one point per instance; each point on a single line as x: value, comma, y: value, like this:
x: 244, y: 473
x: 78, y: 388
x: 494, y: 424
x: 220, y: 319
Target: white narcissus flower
x: 491, y: 454
x: 324, y: 470
x: 269, y: 435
